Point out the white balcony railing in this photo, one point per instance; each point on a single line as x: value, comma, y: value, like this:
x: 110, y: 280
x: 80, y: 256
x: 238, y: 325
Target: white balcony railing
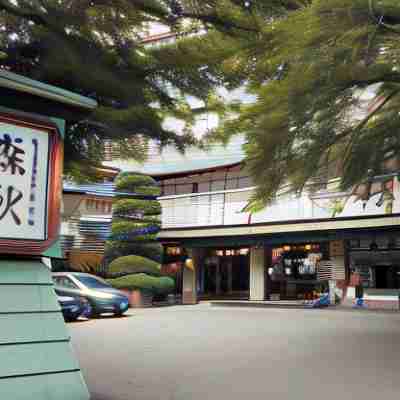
x: 226, y: 208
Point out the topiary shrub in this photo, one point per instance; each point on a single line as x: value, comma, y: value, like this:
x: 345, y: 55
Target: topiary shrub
x: 133, y: 255
x: 140, y: 228
x: 148, y: 191
x: 145, y: 283
x: 115, y: 249
x: 134, y: 265
x: 128, y: 182
x: 128, y: 206
x: 165, y: 285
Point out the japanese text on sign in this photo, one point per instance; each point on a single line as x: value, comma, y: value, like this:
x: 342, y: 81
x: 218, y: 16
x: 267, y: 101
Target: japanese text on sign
x: 23, y: 182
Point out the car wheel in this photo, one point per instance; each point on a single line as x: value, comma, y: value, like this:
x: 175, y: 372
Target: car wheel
x: 119, y: 314
x: 93, y: 312
x: 70, y: 319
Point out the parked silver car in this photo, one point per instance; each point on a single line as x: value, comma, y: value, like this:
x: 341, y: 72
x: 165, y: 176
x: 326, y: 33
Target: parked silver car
x: 102, y: 297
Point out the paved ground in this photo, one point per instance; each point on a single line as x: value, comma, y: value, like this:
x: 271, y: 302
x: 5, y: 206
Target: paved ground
x: 197, y: 352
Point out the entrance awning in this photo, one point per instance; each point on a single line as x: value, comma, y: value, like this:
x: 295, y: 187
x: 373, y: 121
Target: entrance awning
x: 285, y: 232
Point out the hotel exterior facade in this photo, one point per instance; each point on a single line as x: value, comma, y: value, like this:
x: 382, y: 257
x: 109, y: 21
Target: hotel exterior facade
x: 321, y: 240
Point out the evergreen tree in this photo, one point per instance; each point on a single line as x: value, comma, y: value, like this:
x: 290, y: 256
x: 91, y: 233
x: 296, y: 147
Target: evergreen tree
x: 133, y: 255
x: 311, y: 66
x: 95, y: 48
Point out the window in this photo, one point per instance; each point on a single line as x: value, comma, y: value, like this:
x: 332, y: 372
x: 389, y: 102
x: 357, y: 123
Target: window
x: 168, y: 190
x: 204, y: 187
x: 232, y: 183
x: 93, y: 282
x: 217, y: 186
x: 245, y: 182
x: 64, y: 282
x: 184, y: 188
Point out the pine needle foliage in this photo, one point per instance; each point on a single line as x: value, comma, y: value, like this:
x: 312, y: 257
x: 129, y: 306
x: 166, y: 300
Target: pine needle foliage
x: 325, y: 76
x: 96, y: 48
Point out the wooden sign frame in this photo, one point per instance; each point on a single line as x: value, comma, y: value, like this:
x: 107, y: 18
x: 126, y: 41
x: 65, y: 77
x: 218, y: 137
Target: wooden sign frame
x: 29, y: 247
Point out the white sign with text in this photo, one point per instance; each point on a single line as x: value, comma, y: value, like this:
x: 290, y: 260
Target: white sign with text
x: 24, y: 155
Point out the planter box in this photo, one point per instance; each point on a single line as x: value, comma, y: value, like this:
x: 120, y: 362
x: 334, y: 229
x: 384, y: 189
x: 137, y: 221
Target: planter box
x: 138, y: 299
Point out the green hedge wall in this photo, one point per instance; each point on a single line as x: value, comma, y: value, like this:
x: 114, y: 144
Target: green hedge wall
x: 144, y: 282
x: 134, y: 265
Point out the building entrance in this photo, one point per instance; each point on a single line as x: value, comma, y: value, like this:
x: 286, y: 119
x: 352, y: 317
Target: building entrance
x: 377, y: 269
x: 224, y: 274
x: 387, y: 277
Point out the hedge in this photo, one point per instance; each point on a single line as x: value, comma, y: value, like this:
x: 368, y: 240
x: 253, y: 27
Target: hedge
x: 126, y: 206
x: 144, y: 282
x: 134, y: 265
x: 129, y: 182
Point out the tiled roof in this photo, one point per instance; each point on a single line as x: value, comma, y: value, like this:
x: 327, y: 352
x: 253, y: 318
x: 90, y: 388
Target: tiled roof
x: 104, y: 189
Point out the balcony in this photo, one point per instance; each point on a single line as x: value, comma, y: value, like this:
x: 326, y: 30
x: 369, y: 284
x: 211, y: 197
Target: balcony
x: 221, y: 208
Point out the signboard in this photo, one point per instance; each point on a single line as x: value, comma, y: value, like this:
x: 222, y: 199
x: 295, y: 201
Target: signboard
x: 24, y: 154
x: 30, y: 188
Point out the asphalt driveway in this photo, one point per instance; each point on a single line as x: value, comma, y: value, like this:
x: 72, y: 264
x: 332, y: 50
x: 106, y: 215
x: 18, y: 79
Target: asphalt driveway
x: 198, y: 352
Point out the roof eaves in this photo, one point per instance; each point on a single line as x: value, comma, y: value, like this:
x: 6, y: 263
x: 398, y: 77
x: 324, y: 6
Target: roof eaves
x: 20, y: 83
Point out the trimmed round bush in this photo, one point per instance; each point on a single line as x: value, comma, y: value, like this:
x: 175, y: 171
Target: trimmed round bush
x: 127, y: 227
x: 148, y: 191
x: 137, y: 281
x: 139, y: 239
x: 126, y: 206
x: 129, y: 182
x: 165, y: 285
x: 134, y: 265
x: 115, y: 249
x: 144, y: 282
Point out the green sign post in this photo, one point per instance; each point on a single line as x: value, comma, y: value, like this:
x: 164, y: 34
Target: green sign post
x: 36, y: 358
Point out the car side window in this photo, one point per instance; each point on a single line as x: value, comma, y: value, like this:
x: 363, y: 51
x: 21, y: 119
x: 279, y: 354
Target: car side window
x: 56, y: 280
x: 66, y: 282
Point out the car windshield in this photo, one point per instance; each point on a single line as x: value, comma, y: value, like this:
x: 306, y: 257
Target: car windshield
x: 93, y: 282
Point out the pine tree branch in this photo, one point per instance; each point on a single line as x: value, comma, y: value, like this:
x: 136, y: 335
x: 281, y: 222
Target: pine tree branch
x: 216, y: 21
x: 364, y: 122
x: 50, y: 21
x: 19, y: 12
x: 385, y: 9
x: 388, y: 78
x: 337, y: 138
